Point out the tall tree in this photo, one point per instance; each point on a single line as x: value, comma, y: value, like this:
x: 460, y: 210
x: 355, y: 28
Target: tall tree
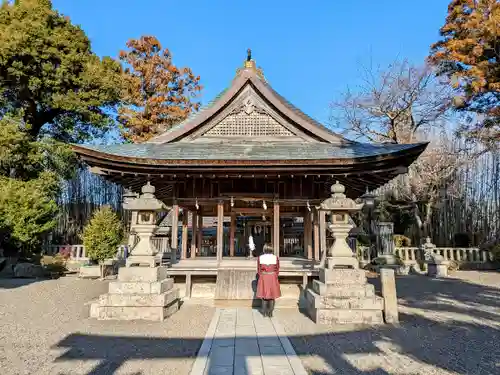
x: 405, y: 104
x: 30, y: 179
x: 49, y: 73
x: 469, y: 54
x: 158, y: 94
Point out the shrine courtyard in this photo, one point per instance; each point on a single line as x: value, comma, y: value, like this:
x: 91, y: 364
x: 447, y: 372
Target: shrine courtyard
x: 448, y: 326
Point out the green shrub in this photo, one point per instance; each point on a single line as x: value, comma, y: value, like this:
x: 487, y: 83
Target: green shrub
x: 453, y: 266
x: 381, y: 261
x: 54, y: 264
x: 102, y: 235
x: 401, y: 241
x: 495, y: 251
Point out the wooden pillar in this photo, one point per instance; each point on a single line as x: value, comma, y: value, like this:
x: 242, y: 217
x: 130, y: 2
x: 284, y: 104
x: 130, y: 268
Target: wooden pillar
x: 307, y: 235
x: 220, y: 229
x: 184, y: 240
x: 175, y: 232
x: 199, y: 242
x: 322, y: 235
x: 316, y: 234
x: 194, y: 234
x: 231, y: 234
x: 276, y: 228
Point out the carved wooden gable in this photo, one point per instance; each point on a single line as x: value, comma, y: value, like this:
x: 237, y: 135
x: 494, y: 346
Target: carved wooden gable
x: 251, y: 118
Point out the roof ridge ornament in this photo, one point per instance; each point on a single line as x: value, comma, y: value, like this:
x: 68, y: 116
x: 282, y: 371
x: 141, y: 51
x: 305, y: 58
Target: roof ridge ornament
x: 249, y: 64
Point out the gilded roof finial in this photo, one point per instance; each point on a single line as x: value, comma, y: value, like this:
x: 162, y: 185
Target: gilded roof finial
x: 250, y: 64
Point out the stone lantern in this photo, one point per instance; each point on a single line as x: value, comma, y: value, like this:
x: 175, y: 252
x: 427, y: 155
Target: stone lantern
x: 340, y: 207
x: 342, y: 294
x: 145, y: 210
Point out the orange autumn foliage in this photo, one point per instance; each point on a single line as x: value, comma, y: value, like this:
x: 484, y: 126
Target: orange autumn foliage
x: 157, y: 94
x: 469, y: 54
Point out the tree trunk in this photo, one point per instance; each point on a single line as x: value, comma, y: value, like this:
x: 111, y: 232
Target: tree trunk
x: 427, y: 220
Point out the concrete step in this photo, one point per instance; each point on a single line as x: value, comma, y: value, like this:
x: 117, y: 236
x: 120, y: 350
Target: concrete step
x: 256, y: 303
x: 137, y: 300
x: 341, y: 276
x: 334, y: 290
x: 142, y: 274
x: 155, y: 287
x: 357, y: 303
x: 348, y: 316
x: 153, y: 313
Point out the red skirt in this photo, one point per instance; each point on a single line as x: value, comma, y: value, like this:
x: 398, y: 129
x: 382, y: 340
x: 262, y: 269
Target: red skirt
x: 268, y: 286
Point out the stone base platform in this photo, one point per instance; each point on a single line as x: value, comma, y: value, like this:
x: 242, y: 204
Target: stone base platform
x: 343, y: 296
x: 235, y: 284
x: 140, y: 293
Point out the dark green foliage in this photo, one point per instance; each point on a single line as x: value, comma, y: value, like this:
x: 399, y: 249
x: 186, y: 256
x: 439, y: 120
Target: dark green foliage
x: 49, y: 73
x: 102, y: 235
x: 30, y: 176
x: 461, y: 240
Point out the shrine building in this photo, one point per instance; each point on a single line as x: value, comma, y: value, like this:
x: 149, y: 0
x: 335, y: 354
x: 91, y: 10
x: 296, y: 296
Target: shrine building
x: 255, y: 164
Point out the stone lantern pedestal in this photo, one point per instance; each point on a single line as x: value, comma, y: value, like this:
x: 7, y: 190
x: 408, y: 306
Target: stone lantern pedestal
x: 143, y: 291
x: 342, y: 294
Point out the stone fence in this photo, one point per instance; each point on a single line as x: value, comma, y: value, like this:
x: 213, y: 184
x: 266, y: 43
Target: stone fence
x: 412, y: 255
x: 409, y: 255
x: 77, y: 252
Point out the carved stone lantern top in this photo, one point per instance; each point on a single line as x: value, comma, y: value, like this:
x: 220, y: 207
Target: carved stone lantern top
x: 339, y: 201
x: 145, y: 202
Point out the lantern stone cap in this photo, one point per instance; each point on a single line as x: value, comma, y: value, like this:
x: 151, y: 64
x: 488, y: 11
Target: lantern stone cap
x: 339, y: 201
x: 146, y: 201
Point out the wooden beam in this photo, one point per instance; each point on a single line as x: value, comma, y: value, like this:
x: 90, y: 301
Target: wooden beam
x: 276, y: 228
x: 194, y: 234
x: 249, y: 210
x: 220, y: 229
x: 184, y: 241
x: 199, y: 241
x: 175, y: 231
x: 307, y: 235
x: 322, y: 233
x: 316, y: 234
x: 231, y: 234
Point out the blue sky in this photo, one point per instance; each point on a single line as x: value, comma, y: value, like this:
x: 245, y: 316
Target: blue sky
x: 309, y: 51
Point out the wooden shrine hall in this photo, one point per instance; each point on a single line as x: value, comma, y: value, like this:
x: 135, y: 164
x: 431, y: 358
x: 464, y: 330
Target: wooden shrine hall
x: 251, y: 156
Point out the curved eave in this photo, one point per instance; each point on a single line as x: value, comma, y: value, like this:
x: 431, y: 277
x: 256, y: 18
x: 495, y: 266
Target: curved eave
x: 127, y: 163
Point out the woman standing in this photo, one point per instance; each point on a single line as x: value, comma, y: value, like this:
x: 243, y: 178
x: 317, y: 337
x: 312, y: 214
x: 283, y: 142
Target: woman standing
x: 268, y: 286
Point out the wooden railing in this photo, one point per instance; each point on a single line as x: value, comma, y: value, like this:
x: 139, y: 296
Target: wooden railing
x: 412, y: 255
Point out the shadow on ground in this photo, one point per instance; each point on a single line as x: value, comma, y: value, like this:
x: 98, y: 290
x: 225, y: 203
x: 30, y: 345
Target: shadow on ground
x: 452, y: 344
x: 11, y: 283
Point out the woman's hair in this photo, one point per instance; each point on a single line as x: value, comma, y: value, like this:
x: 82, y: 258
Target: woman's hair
x: 268, y: 249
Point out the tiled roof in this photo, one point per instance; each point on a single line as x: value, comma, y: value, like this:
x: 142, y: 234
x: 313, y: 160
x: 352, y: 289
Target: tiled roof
x: 194, y: 114
x: 250, y: 151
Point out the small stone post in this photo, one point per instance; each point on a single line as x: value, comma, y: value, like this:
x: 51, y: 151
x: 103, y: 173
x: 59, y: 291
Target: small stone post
x: 437, y: 266
x: 385, y: 243
x: 388, y: 281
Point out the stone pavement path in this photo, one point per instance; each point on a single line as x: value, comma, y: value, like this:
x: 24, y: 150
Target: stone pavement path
x: 243, y: 342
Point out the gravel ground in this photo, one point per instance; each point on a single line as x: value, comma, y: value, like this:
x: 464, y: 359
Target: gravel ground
x: 448, y: 326
x: 45, y: 329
